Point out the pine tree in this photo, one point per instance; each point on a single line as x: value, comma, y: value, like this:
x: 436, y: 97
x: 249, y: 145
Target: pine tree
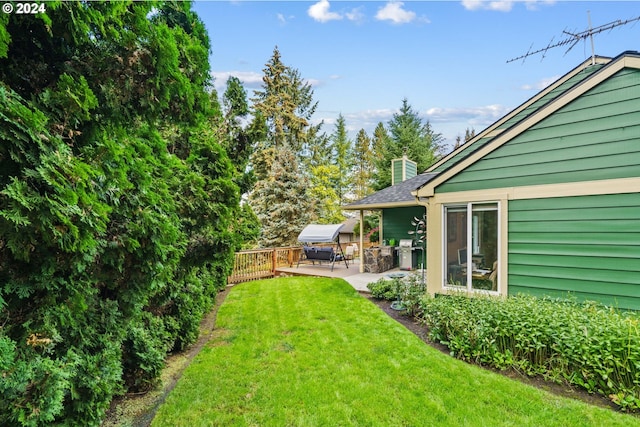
x: 286, y: 103
x: 408, y: 134
x: 282, y: 109
x: 382, y: 169
x: 343, y: 154
x: 363, y: 165
x: 236, y: 138
x: 281, y: 201
x: 318, y: 149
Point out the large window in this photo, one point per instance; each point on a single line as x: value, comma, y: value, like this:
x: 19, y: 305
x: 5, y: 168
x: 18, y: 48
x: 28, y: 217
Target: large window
x: 471, y: 246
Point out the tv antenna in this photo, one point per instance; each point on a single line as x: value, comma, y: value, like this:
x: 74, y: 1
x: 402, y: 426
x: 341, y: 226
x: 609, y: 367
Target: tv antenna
x: 573, y: 38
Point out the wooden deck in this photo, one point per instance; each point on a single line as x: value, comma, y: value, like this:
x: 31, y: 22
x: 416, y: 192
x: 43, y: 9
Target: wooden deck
x: 266, y: 263
x: 322, y: 269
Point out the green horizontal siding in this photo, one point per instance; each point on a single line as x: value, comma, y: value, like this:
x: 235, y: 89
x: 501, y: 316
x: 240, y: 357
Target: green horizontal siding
x: 618, y: 301
x: 467, y: 150
x: 396, y: 222
x: 552, y: 95
x: 470, y: 148
x: 597, y: 136
x: 588, y: 246
x: 411, y: 170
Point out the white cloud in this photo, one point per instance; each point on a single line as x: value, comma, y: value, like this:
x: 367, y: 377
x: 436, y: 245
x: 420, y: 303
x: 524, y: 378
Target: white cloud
x: 541, y: 84
x: 533, y: 4
x: 503, y: 5
x: 394, y: 12
x: 355, y: 15
x: 315, y: 82
x: 474, y: 116
x: 249, y: 79
x: 320, y: 12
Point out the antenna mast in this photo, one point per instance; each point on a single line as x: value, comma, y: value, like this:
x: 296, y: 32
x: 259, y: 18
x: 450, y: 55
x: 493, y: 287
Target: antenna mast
x: 575, y: 38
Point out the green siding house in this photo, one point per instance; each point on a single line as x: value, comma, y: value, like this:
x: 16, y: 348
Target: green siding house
x: 546, y: 201
x: 396, y: 204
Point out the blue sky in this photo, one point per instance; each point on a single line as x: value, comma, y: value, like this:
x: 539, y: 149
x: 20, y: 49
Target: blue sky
x: 448, y: 58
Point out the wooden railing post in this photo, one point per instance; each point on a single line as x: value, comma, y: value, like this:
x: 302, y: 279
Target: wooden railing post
x: 274, y: 261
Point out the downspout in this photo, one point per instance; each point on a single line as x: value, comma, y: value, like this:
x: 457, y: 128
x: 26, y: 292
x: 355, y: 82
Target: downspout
x: 361, y: 245
x: 424, y: 202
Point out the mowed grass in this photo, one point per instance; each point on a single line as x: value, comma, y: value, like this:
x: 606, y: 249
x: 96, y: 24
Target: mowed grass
x: 302, y: 351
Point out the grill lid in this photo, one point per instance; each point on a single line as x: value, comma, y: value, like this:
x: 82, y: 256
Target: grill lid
x: 406, y: 243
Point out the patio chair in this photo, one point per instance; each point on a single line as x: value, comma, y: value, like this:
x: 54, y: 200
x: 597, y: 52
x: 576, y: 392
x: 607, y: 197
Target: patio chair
x: 349, y: 251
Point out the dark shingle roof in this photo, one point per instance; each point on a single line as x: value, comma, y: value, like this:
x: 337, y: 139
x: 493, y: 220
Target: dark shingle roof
x: 399, y: 194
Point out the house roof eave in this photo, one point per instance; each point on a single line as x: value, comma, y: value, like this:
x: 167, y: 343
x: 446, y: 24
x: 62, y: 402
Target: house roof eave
x: 625, y: 60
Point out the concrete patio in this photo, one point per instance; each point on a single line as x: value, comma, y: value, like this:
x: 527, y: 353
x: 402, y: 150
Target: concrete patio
x: 352, y: 274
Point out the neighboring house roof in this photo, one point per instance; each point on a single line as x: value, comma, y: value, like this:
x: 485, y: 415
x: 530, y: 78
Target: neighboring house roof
x: 349, y: 225
x: 542, y: 105
x: 395, y: 196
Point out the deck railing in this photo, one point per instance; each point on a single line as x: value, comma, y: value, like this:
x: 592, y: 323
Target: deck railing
x: 262, y: 263
x: 257, y: 264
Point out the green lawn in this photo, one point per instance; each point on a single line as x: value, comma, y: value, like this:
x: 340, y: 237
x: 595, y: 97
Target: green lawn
x: 312, y: 352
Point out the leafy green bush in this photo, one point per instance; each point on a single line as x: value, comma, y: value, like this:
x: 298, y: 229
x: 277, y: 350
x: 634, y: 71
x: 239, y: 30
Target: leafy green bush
x: 588, y: 345
x: 407, y: 291
x: 411, y: 289
x: 384, y: 288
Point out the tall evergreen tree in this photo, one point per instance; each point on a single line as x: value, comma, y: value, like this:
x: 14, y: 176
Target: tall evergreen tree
x: 286, y: 103
x: 116, y: 203
x: 237, y: 139
x: 281, y: 201
x: 343, y: 154
x: 318, y: 149
x: 408, y: 134
x: 382, y: 170
x: 363, y: 165
x: 282, y: 108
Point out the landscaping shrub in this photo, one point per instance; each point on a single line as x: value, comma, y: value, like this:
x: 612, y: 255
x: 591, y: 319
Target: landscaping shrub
x: 384, y: 288
x: 407, y: 291
x: 588, y: 345
x: 411, y: 289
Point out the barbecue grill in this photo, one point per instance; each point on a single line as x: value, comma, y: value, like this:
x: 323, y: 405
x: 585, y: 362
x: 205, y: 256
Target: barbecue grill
x: 406, y: 254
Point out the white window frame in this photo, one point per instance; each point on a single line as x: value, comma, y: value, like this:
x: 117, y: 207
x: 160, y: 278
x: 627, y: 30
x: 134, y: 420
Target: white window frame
x: 469, y: 244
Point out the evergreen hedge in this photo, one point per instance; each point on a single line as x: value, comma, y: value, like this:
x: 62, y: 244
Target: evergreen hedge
x: 117, y: 203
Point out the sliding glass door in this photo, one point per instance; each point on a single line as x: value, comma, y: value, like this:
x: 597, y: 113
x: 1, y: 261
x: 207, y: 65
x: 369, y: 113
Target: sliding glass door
x: 471, y: 237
